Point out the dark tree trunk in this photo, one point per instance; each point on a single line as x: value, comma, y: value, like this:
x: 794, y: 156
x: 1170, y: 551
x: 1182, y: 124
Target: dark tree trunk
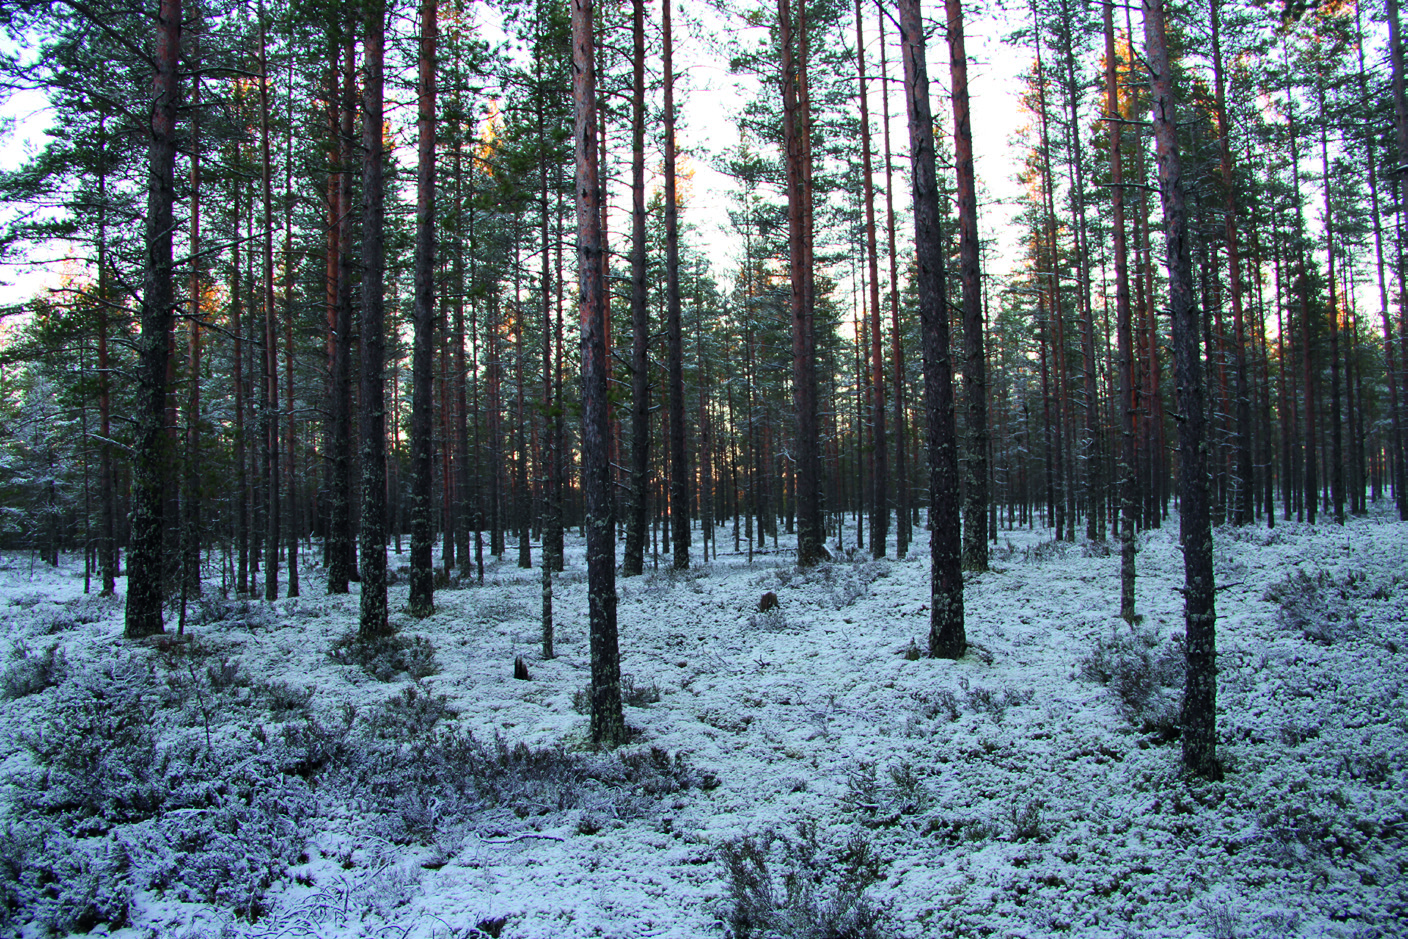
x: 975, y: 462
x: 1395, y: 442
x: 947, y: 637
x: 795, y: 128
x: 608, y: 724
x: 341, y: 556
x: 634, y: 561
x: 679, y: 472
x: 1200, y: 693
x: 269, y: 390
x: 192, y: 495
x: 107, y: 485
x: 422, y: 577
x: 151, y: 463
x: 880, y: 474
x: 903, y: 533
x: 466, y: 504
x: 374, y: 621
x: 1128, y: 404
x: 1242, y: 514
x: 1336, y: 417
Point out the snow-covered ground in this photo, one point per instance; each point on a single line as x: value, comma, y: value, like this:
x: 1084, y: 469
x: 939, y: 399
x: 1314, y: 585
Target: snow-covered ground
x: 790, y: 769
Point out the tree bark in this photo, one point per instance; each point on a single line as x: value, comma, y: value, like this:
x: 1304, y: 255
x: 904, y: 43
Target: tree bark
x: 679, y: 470
x: 975, y: 462
x: 269, y: 392
x: 880, y: 473
x: 422, y: 575
x: 373, y: 623
x: 634, y: 561
x: 903, y: 533
x: 947, y: 638
x: 151, y: 464
x: 341, y: 556
x: 810, y: 533
x: 1128, y: 404
x: 608, y: 724
x: 1242, y: 514
x: 1200, y: 617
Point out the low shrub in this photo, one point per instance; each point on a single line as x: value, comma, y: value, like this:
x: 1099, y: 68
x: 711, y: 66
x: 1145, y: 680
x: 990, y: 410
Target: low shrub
x: 1322, y: 608
x: 30, y: 671
x: 1146, y: 676
x: 387, y: 657
x: 796, y: 888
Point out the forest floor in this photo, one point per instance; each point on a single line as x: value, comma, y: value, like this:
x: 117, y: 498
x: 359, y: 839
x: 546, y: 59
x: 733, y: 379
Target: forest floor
x: 796, y: 773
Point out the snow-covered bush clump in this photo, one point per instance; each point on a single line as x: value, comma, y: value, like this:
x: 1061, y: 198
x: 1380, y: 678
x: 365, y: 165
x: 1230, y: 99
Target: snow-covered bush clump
x: 798, y: 888
x: 1146, y: 676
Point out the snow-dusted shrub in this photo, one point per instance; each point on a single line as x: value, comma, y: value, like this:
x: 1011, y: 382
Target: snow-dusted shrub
x: 796, y: 888
x: 452, y: 778
x: 387, y: 657
x: 227, y: 613
x: 907, y: 789
x: 1046, y: 551
x: 79, y: 612
x: 96, y: 758
x: 773, y: 621
x: 632, y: 695
x: 60, y: 883
x: 284, y: 700
x: 1145, y: 674
x: 1095, y: 549
x: 1026, y: 821
x: 933, y: 704
x: 1321, y: 607
x: 995, y: 703
x: 30, y: 671
x: 497, y: 608
x: 410, y: 714
x: 237, y: 844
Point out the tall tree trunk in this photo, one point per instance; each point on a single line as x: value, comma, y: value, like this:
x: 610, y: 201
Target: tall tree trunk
x: 810, y: 533
x: 679, y: 472
x: 947, y: 638
x: 903, y: 534
x: 151, y: 464
x: 269, y: 391
x: 341, y: 551
x: 464, y: 503
x: 1128, y: 404
x: 1200, y: 617
x: 291, y: 527
x: 880, y: 474
x: 107, y: 484
x: 1336, y: 418
x: 634, y: 561
x: 608, y: 724
x: 975, y: 461
x: 374, y: 621
x: 1242, y: 514
x: 422, y: 577
x: 1395, y: 455
x: 192, y: 495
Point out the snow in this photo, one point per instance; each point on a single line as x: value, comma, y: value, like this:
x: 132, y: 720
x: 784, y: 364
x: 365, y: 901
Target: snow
x: 1005, y: 794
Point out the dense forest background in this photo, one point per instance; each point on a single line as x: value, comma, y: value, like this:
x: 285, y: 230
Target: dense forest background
x: 339, y: 276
